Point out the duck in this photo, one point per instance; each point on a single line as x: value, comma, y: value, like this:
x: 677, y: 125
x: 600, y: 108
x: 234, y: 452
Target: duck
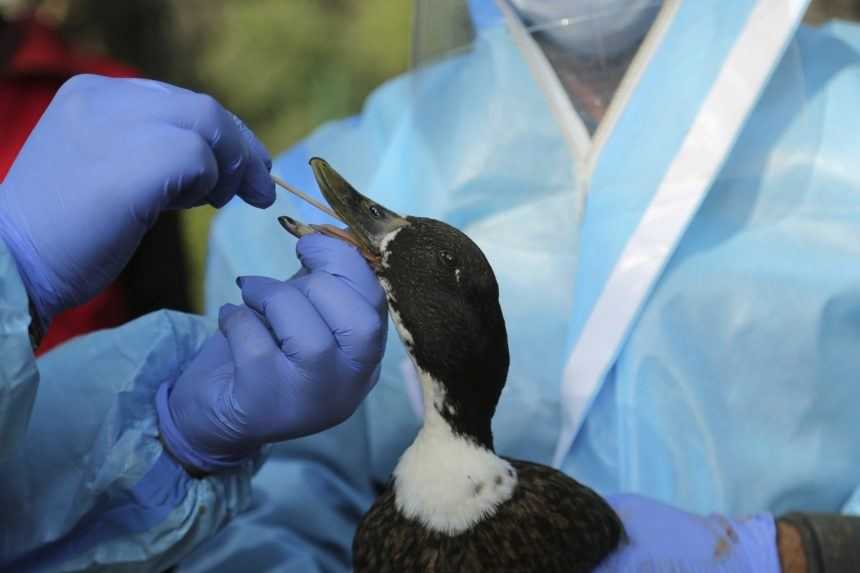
x: 453, y: 503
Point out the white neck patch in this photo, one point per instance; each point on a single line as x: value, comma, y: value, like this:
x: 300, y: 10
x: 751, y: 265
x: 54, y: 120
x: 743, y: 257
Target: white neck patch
x: 405, y: 335
x: 444, y: 481
x: 383, y: 246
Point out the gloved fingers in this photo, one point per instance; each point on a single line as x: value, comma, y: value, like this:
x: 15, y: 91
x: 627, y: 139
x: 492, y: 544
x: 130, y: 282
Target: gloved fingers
x: 215, y: 350
x: 257, y: 187
x: 318, y: 252
x: 241, y: 159
x: 191, y: 163
x: 247, y: 335
x: 300, y: 273
x: 214, y: 353
x: 132, y: 101
x: 631, y: 502
x: 256, y: 145
x: 301, y: 333
x: 110, y: 86
x: 205, y: 116
x: 654, y: 530
x: 173, y: 166
x: 359, y: 328
x: 226, y: 311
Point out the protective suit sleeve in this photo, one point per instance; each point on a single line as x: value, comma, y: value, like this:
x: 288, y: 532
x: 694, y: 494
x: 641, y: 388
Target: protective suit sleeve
x: 18, y: 375
x: 90, y: 486
x: 830, y: 542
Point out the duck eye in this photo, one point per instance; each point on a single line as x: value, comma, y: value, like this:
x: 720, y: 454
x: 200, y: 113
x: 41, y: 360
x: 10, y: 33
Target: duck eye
x: 375, y: 212
x: 447, y: 258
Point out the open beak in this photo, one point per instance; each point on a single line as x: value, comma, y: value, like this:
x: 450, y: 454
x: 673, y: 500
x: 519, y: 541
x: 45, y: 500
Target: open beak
x: 368, y: 221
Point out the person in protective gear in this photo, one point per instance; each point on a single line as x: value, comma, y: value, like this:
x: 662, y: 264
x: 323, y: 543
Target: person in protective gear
x: 665, y: 192
x: 127, y: 447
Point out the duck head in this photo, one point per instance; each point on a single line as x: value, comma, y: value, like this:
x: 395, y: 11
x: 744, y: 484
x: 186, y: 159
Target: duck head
x: 444, y: 301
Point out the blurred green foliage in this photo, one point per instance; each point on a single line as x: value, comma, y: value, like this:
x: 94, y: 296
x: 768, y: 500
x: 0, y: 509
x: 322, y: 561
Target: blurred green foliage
x: 286, y: 67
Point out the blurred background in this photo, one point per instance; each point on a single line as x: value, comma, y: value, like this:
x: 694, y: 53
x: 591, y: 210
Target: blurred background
x: 284, y: 67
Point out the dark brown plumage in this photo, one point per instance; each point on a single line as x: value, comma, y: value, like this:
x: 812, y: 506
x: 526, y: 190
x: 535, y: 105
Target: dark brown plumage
x: 552, y: 523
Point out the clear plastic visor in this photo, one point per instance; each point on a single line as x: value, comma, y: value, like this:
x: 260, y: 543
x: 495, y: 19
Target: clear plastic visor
x: 589, y: 44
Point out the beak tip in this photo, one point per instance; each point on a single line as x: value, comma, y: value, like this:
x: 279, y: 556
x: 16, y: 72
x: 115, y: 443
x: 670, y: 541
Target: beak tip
x: 287, y: 223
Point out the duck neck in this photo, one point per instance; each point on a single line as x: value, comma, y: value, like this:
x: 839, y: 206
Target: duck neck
x: 450, y: 478
x: 461, y: 406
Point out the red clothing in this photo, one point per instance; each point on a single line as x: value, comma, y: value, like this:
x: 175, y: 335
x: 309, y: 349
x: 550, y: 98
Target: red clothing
x: 39, y: 66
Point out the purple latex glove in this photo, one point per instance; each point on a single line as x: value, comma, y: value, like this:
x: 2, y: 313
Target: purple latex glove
x: 298, y: 359
x: 107, y: 156
x: 662, y: 538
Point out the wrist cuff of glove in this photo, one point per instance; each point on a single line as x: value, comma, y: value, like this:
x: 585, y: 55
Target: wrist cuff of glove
x: 39, y: 314
x: 179, y: 447
x: 830, y: 542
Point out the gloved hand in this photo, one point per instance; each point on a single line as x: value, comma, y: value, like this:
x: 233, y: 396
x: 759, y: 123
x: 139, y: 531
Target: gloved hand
x: 662, y: 538
x: 298, y: 359
x: 105, y: 159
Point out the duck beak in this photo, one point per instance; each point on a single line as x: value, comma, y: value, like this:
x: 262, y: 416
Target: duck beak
x: 369, y: 222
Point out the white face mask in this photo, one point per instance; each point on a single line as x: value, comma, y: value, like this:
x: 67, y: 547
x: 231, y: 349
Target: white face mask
x: 590, y: 28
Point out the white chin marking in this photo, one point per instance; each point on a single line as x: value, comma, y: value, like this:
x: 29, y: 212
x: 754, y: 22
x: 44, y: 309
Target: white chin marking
x: 383, y: 246
x: 405, y: 335
x: 444, y: 481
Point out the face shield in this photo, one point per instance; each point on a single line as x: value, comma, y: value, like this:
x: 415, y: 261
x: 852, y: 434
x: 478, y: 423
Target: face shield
x: 589, y: 44
x: 490, y: 74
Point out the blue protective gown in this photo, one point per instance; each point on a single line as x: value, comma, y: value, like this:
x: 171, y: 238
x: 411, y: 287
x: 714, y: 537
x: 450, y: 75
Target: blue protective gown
x: 86, y: 483
x: 733, y: 388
